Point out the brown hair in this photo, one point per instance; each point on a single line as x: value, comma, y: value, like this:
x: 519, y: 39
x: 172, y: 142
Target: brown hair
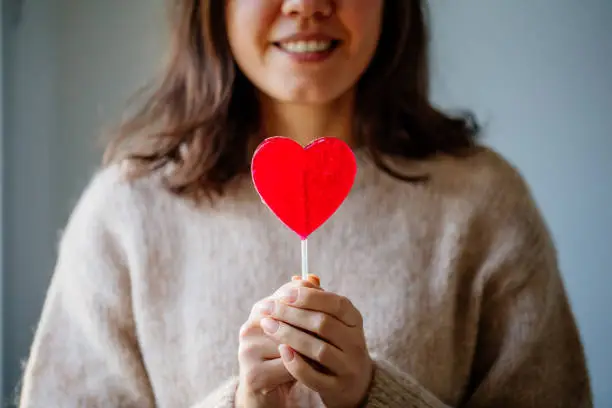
x: 202, y: 114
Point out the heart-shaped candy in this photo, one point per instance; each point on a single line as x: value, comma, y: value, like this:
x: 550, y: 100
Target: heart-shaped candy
x: 303, y: 186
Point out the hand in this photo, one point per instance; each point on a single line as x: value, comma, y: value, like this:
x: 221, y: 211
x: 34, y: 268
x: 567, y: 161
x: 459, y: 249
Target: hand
x: 328, y: 329
x: 264, y: 380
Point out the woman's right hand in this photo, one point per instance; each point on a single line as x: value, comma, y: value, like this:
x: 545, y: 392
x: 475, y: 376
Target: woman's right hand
x: 264, y: 380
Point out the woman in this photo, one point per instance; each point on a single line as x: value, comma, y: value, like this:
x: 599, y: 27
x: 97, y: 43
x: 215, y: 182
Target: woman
x: 441, y: 285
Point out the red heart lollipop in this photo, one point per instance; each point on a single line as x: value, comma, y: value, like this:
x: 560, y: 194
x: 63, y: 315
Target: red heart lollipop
x: 303, y: 186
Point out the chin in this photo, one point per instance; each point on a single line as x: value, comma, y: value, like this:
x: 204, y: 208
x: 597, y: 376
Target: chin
x: 307, y: 100
x: 311, y: 96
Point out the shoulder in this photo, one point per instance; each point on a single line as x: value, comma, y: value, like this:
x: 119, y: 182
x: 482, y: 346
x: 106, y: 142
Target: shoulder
x: 481, y: 204
x: 100, y: 242
x: 492, y: 187
x: 112, y: 203
x: 483, y: 179
x: 505, y: 222
x: 107, y: 195
x: 479, y: 180
x: 485, y: 192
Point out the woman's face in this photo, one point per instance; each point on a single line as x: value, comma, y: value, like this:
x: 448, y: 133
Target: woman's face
x: 303, y: 51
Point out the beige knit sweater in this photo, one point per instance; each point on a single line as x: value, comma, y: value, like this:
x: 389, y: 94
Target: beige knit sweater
x: 457, y: 280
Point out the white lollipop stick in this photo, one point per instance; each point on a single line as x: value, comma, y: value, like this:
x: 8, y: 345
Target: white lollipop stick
x: 304, y: 259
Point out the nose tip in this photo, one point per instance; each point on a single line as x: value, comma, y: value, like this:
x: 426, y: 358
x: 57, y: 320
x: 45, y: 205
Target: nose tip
x: 315, y: 9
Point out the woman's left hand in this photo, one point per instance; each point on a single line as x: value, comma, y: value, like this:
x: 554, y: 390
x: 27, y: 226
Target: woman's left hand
x: 328, y: 329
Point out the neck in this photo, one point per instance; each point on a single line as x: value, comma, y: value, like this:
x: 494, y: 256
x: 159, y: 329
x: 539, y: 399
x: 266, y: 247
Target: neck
x: 306, y: 122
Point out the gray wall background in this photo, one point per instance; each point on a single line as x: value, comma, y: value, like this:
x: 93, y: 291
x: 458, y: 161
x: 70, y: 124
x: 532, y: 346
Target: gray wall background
x: 537, y: 72
x: 1, y: 189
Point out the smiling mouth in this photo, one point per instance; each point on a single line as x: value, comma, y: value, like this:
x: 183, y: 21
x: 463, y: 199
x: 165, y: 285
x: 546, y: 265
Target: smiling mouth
x: 308, y: 47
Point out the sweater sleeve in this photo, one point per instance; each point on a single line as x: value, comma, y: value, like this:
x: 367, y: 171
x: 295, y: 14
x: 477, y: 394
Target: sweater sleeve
x: 85, y: 351
x: 393, y: 388
x: 528, y: 353
x: 222, y: 397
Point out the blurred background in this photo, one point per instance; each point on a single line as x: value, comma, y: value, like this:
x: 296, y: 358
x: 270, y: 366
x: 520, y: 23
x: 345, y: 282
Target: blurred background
x: 537, y: 72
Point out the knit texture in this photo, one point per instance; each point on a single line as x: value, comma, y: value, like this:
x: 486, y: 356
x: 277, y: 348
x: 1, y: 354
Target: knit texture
x: 456, y: 278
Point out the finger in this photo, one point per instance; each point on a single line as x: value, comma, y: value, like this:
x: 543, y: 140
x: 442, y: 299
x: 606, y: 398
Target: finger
x: 261, y: 309
x: 328, y: 355
x: 267, y: 375
x: 287, y: 291
x: 290, y: 290
x: 289, y: 286
x: 326, y: 302
x: 323, y: 325
x: 256, y: 349
x: 304, y: 372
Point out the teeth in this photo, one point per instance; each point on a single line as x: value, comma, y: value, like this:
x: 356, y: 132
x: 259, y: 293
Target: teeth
x: 306, y: 46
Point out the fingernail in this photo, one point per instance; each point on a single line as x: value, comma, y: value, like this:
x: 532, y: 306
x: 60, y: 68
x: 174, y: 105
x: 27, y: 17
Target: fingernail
x: 269, y: 325
x: 267, y: 307
x: 314, y: 279
x: 286, y: 352
x: 290, y: 296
